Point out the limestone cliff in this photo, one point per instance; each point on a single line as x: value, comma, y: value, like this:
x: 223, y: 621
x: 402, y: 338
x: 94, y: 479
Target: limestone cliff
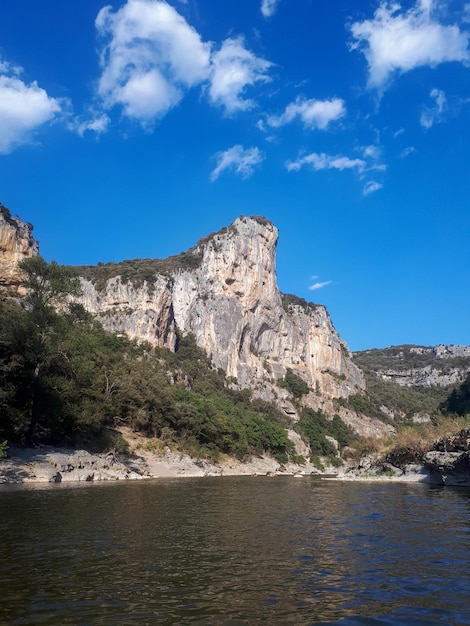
x: 418, y: 366
x: 16, y: 243
x: 224, y: 291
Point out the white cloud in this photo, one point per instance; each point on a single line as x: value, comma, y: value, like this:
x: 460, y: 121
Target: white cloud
x: 371, y: 152
x: 407, y: 151
x: 312, y: 113
x: 269, y: 7
x: 433, y: 115
x: 10, y: 68
x: 466, y: 13
x: 320, y: 285
x: 238, y: 159
x: 371, y: 186
x: 97, y: 123
x: 233, y: 69
x: 325, y: 161
x: 23, y: 108
x: 151, y: 56
x: 395, y: 41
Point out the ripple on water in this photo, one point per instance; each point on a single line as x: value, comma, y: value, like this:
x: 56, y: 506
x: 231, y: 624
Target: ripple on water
x: 235, y: 551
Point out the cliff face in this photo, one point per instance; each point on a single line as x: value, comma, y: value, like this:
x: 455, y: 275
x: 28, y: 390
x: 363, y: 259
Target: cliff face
x: 224, y: 291
x: 16, y: 243
x: 229, y: 300
x: 418, y: 366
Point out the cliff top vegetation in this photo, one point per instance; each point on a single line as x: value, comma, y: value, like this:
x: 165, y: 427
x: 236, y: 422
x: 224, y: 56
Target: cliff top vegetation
x: 138, y: 271
x: 406, y: 357
x: 7, y: 216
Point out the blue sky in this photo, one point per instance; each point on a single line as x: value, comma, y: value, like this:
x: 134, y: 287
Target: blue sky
x: 132, y: 129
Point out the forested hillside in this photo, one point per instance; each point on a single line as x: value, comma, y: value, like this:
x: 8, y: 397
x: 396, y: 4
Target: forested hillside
x: 410, y: 382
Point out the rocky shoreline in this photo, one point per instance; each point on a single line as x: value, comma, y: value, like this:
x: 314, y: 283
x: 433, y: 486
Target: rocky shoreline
x: 46, y: 464
x: 447, y: 463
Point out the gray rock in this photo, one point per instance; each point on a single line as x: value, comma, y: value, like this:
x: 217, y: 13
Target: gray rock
x: 448, y: 468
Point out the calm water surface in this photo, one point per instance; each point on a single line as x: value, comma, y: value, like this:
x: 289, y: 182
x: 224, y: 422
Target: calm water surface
x: 234, y: 551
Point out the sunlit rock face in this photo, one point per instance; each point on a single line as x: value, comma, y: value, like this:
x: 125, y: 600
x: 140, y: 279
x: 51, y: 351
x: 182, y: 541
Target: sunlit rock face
x: 16, y: 243
x: 223, y: 291
x: 226, y: 294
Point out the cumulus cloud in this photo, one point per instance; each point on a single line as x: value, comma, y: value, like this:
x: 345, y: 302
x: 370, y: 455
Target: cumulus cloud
x: 371, y: 186
x: 23, y: 108
x: 269, y: 7
x: 320, y: 285
x: 433, y: 115
x: 233, y: 69
x: 151, y: 56
x: 395, y: 41
x: 312, y: 113
x: 239, y: 160
x: 324, y: 161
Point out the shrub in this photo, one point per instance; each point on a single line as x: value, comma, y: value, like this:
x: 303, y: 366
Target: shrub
x: 296, y: 385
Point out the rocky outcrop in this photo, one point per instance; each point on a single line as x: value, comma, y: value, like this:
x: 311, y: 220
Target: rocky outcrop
x: 418, y: 366
x: 446, y: 462
x: 224, y: 292
x: 427, y: 376
x: 16, y: 243
x: 443, y: 351
x: 56, y: 465
x: 449, y: 461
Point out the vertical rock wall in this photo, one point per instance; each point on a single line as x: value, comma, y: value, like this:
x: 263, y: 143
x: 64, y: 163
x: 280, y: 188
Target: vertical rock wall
x: 232, y: 305
x: 16, y: 243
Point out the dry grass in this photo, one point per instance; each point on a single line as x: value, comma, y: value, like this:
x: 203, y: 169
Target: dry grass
x: 414, y: 439
x: 424, y: 435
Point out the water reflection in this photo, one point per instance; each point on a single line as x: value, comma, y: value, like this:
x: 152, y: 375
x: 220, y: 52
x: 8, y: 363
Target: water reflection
x: 235, y: 551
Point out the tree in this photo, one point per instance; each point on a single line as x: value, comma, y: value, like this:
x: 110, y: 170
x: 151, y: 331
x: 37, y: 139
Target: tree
x: 47, y: 303
x: 458, y: 401
x: 296, y: 385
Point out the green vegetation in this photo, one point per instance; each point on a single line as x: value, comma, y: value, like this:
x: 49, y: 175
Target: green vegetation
x: 315, y: 426
x: 7, y: 215
x: 3, y: 449
x: 458, y: 402
x: 289, y: 299
x: 403, y: 401
x: 138, y: 271
x: 63, y: 379
x: 406, y: 357
x: 296, y: 385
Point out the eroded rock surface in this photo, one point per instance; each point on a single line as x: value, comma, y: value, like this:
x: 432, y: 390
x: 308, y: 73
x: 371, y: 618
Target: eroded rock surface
x: 449, y: 461
x: 16, y: 243
x: 229, y: 300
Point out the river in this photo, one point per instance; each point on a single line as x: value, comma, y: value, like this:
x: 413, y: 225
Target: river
x: 235, y: 550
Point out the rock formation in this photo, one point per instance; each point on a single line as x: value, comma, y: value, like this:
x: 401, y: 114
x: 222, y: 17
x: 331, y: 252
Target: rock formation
x: 224, y: 291
x: 449, y: 460
x: 16, y: 243
x: 419, y: 366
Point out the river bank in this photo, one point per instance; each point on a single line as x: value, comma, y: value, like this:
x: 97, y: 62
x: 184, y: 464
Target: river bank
x: 448, y: 463
x: 54, y: 465
x: 47, y: 464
